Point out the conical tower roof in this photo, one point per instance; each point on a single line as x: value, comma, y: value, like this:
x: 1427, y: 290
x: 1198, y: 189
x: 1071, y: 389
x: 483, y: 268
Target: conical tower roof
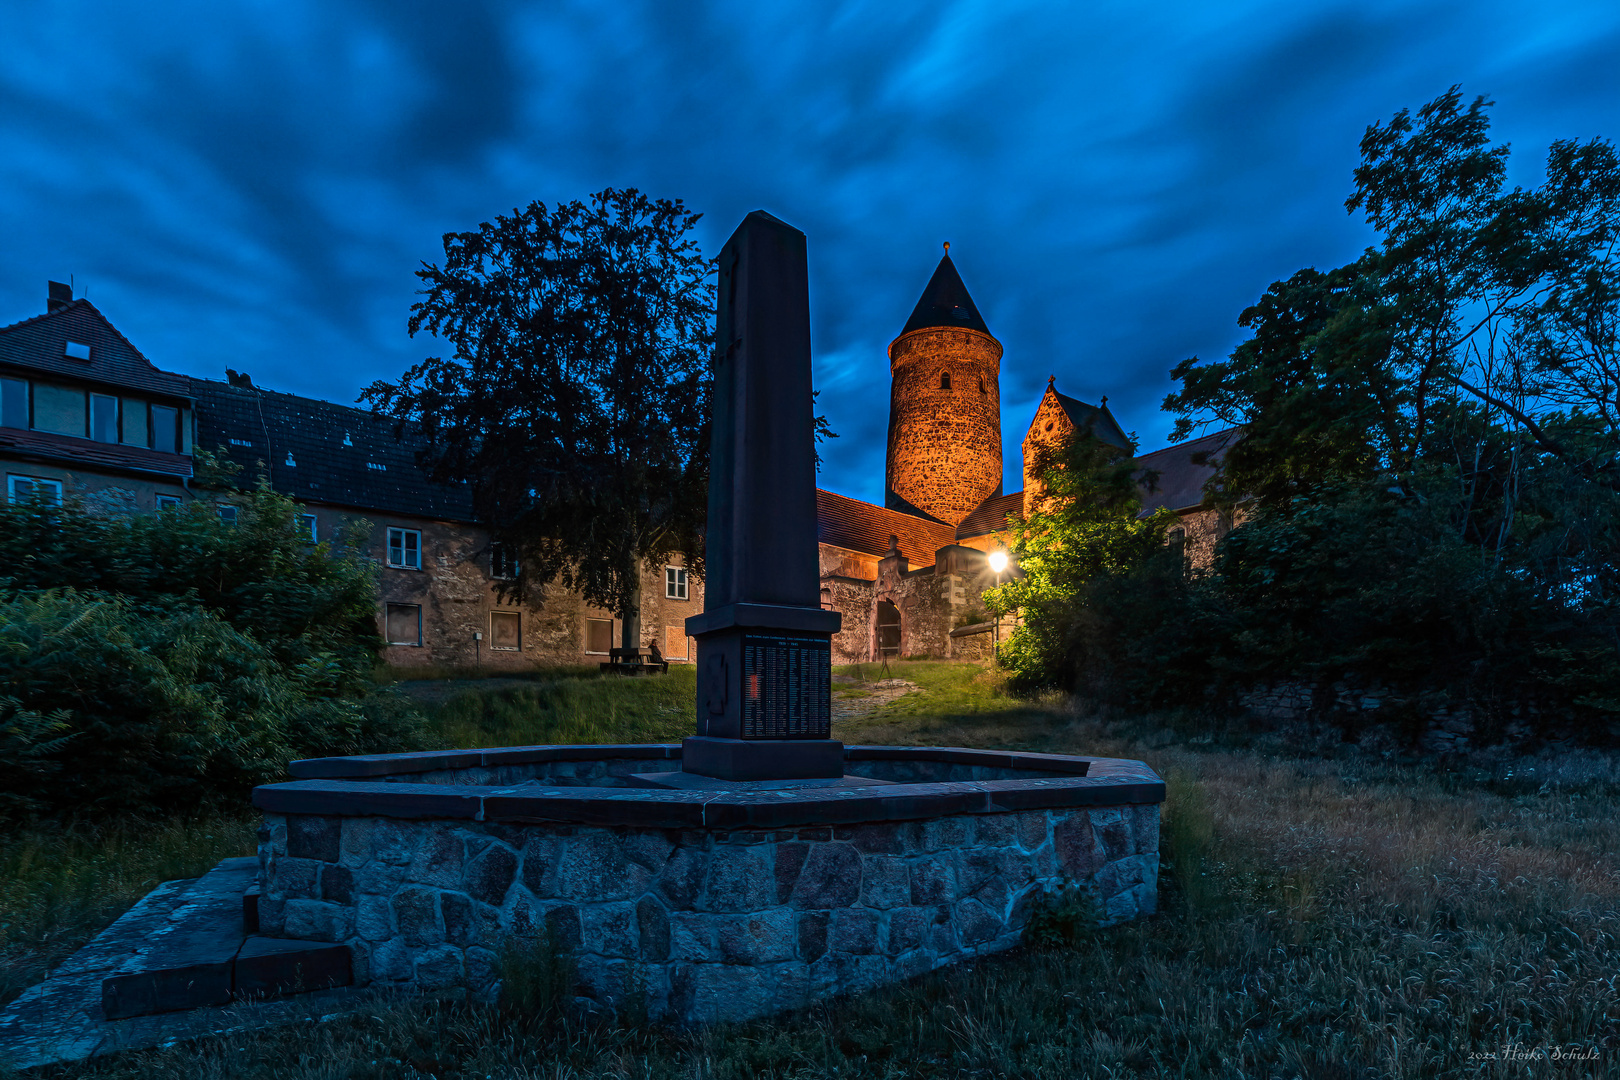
x: 945, y: 302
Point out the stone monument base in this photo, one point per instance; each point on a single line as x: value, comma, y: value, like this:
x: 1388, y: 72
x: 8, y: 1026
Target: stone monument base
x: 762, y: 759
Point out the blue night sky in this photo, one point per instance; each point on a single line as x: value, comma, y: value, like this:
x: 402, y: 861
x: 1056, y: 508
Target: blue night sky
x: 251, y: 184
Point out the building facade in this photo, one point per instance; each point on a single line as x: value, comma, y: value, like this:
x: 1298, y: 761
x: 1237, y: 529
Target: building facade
x: 84, y: 414
x: 909, y: 576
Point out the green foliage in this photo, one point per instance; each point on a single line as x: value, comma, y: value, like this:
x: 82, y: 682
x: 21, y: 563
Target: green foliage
x: 576, y: 402
x: 259, y: 574
x: 164, y: 706
x: 537, y: 976
x: 1063, y: 918
x: 1086, y: 524
x: 172, y: 661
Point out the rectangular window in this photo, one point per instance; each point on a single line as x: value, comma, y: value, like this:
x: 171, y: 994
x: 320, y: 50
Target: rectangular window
x: 404, y: 624
x: 20, y: 489
x: 675, y: 640
x: 59, y: 409
x: 405, y: 549
x: 227, y: 514
x: 503, y: 565
x: 598, y: 635
x: 505, y: 631
x: 103, y: 418
x: 166, y: 501
x: 306, y: 527
x: 14, y: 403
x: 136, y: 431
x: 166, y: 429
x: 675, y: 582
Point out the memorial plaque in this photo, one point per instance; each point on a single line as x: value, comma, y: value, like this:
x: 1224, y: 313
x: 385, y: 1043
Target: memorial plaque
x: 786, y: 686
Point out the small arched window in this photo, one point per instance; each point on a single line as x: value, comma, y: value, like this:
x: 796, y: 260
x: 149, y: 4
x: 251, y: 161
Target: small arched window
x: 982, y: 390
x: 944, y: 380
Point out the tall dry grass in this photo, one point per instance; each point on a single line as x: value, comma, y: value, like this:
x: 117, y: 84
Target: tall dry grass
x: 1320, y: 919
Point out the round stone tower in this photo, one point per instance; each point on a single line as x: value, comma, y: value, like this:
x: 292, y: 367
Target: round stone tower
x: 944, y: 405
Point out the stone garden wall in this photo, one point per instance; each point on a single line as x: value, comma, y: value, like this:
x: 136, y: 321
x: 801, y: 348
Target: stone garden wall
x: 706, y: 925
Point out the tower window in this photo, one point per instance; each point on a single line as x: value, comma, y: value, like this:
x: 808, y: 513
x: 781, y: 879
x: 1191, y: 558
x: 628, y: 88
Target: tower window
x: 981, y: 385
x: 945, y: 380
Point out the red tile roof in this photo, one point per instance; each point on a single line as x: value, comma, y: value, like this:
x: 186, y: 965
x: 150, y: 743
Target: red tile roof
x: 38, y: 345
x: 991, y: 516
x: 861, y: 526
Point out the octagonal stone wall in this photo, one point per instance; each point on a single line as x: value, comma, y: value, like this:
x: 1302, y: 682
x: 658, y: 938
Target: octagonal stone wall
x: 701, y: 917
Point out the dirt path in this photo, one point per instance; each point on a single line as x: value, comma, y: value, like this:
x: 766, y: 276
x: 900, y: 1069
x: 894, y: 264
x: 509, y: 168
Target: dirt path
x: 852, y: 700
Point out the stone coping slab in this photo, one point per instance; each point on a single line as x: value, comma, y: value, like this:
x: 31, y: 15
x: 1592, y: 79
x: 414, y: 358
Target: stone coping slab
x: 361, y: 766
x: 1089, y: 782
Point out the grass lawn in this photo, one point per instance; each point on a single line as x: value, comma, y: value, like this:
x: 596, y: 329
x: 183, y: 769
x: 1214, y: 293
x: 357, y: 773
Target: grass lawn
x: 1320, y: 918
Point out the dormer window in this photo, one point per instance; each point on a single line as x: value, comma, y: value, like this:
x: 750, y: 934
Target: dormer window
x: 290, y: 460
x: 945, y: 380
x: 375, y: 466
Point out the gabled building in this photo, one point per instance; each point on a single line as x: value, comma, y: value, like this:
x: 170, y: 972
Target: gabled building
x: 83, y: 413
x: 909, y: 576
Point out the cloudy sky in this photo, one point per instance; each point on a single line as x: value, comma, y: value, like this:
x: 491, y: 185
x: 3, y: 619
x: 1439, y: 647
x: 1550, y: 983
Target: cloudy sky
x: 250, y: 184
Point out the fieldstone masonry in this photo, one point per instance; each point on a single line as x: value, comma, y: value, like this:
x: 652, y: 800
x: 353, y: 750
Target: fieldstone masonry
x: 703, y: 923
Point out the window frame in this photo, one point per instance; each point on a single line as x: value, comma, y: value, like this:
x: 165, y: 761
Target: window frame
x: 165, y: 502
x: 117, y: 425
x: 676, y: 577
x: 503, y: 565
x: 152, y: 427
x: 388, y: 607
x: 11, y: 488
x: 27, y: 402
x: 227, y: 513
x: 314, y: 527
x: 518, y: 615
x: 404, y: 548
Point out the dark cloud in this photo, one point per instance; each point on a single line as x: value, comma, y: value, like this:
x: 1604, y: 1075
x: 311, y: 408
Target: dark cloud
x: 252, y: 186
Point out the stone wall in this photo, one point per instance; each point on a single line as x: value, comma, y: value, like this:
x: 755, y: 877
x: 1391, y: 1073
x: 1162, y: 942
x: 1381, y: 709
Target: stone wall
x: 945, y: 443
x: 705, y: 925
x: 458, y: 596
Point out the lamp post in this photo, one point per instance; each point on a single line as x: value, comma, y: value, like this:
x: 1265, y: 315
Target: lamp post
x: 998, y: 563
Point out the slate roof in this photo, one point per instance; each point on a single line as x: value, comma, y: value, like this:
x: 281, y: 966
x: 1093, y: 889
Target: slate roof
x: 991, y: 515
x: 945, y: 302
x: 864, y: 527
x: 1096, y: 417
x: 39, y: 345
x: 335, y: 452
x: 1180, y: 485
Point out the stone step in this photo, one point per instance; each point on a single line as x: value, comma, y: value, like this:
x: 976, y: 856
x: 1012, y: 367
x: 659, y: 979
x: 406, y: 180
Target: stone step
x: 207, y: 952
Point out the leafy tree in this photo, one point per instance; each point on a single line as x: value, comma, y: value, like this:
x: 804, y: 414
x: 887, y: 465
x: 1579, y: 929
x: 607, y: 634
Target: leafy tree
x: 575, y: 402
x: 1086, y: 524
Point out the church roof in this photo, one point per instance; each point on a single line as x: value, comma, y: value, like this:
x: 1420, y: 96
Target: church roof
x: 861, y: 526
x: 945, y: 302
x: 1096, y: 418
x: 1180, y: 483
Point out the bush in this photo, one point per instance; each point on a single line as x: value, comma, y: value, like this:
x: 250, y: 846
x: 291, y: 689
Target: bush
x: 160, y: 707
x: 171, y: 661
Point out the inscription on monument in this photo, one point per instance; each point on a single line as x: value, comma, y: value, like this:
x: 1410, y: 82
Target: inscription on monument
x: 786, y: 687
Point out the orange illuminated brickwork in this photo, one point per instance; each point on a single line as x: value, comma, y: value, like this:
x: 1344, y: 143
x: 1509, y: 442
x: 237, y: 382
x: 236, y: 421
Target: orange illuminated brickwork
x: 945, y: 421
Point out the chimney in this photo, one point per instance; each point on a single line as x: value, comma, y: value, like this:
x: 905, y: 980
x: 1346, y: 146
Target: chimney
x: 60, y: 295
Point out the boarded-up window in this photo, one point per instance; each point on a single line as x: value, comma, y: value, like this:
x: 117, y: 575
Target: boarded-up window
x: 404, y: 624
x: 59, y: 409
x: 598, y: 635
x: 505, y: 631
x: 675, y: 642
x: 135, y: 433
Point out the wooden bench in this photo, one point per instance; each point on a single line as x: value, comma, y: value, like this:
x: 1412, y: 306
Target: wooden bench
x: 634, y: 662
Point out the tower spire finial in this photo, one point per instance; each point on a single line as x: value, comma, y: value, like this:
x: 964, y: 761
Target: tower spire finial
x: 1050, y: 379
x: 947, y: 247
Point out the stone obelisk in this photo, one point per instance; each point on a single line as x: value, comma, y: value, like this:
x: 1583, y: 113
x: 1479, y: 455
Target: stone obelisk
x: 763, y: 641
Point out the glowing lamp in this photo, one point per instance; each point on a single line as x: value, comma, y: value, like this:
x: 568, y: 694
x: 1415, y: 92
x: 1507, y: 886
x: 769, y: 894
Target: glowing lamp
x: 998, y: 561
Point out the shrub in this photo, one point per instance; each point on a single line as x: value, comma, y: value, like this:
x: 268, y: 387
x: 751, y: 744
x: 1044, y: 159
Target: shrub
x: 160, y: 707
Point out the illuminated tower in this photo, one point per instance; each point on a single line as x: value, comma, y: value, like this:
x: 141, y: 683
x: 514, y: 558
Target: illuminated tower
x: 944, y: 405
